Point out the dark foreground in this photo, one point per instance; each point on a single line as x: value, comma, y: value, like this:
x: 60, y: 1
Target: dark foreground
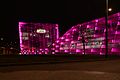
x: 94, y: 70
x: 59, y: 67
x: 11, y: 60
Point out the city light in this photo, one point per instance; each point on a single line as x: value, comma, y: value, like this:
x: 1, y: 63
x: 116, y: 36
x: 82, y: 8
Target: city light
x: 110, y: 9
x: 1, y: 39
x: 41, y: 31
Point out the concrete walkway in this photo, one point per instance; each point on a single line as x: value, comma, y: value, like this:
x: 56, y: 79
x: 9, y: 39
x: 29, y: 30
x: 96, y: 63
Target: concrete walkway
x: 96, y: 70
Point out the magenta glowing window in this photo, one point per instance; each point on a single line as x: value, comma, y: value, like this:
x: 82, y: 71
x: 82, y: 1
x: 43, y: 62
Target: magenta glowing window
x: 92, y: 34
x: 37, y: 38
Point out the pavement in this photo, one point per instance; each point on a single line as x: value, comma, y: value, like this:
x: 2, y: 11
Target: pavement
x: 81, y: 70
x: 11, y: 60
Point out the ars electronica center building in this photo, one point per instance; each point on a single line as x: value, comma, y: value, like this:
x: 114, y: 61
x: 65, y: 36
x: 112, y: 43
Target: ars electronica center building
x: 85, y: 38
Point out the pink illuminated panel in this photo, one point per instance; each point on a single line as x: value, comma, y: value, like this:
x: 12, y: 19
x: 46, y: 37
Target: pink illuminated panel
x: 91, y: 36
x: 37, y: 38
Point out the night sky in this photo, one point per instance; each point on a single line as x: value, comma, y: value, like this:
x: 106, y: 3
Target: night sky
x: 64, y: 12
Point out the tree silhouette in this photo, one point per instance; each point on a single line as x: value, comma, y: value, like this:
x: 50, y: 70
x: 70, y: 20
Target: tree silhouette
x: 82, y: 34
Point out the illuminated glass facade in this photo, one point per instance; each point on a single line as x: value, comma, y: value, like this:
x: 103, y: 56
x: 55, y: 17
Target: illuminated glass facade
x: 86, y: 38
x: 89, y: 37
x: 37, y: 38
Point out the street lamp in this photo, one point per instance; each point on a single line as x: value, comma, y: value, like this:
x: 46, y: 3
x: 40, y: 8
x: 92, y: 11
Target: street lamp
x: 106, y: 33
x: 106, y: 23
x: 110, y: 9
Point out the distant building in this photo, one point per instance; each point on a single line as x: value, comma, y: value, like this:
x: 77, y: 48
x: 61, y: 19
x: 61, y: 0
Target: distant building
x: 37, y: 38
x: 8, y: 51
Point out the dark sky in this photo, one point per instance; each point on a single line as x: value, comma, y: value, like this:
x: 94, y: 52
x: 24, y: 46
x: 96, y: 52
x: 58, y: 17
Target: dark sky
x: 64, y: 12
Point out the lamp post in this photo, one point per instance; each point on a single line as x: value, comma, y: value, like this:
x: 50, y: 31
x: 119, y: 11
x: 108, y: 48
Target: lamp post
x: 106, y: 33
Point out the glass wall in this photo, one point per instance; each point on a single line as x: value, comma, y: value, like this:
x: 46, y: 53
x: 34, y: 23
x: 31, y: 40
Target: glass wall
x: 85, y: 38
x: 89, y: 37
x: 37, y: 38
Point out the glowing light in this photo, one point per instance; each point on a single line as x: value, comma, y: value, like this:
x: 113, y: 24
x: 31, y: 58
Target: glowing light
x: 40, y: 53
x: 20, y: 53
x: 96, y: 28
x: 56, y: 50
x: 117, y: 32
x: 66, y: 51
x: 101, y: 53
x: 57, y: 41
x: 74, y: 30
x: 46, y: 53
x: 66, y: 39
x: 88, y: 26
x: 53, y: 52
x: 41, y: 31
x: 110, y: 9
x: 46, y: 49
x: 78, y: 50
x: 96, y: 20
x: 40, y: 49
x: 57, y: 46
x: 57, y: 31
x: 53, y: 48
x: 53, y: 44
x: 113, y: 50
x: 2, y: 39
x: 118, y: 23
x: 62, y: 37
x: 72, y: 41
x: 62, y: 43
